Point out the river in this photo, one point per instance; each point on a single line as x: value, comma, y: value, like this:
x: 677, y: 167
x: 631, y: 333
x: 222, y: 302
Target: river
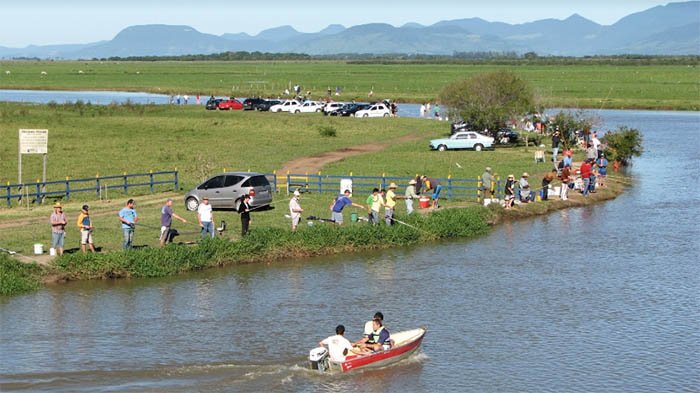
x: 600, y: 298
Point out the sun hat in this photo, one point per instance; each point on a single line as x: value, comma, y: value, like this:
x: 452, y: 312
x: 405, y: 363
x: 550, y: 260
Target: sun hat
x: 488, y: 169
x: 296, y: 193
x: 511, y: 176
x: 205, y: 198
x: 57, y: 205
x: 412, y: 181
x: 525, y: 174
x: 392, y: 185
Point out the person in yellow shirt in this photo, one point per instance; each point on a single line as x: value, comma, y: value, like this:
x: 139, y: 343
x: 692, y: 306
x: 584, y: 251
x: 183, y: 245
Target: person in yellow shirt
x: 84, y: 223
x: 390, y: 204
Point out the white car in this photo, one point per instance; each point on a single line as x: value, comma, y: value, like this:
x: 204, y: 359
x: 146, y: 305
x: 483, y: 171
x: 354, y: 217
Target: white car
x: 290, y: 106
x: 463, y: 140
x: 332, y: 106
x: 310, y: 107
x: 376, y: 110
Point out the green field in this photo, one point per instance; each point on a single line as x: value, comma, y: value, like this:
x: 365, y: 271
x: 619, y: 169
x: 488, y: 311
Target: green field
x: 110, y: 140
x: 582, y: 85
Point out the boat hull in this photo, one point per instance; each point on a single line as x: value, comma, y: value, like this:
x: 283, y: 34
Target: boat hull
x: 400, y: 351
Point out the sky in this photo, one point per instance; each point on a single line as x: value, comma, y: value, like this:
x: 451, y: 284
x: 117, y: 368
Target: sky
x: 48, y: 22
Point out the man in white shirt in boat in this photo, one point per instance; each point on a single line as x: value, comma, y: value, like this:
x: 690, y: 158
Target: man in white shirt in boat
x: 369, y: 329
x: 339, y: 346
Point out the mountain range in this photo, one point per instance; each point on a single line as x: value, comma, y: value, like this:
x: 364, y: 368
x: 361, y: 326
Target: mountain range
x: 672, y: 29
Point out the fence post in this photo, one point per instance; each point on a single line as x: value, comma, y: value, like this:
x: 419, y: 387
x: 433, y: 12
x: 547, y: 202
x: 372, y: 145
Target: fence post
x: 479, y: 185
x: 126, y: 184
x: 177, y: 180
x: 449, y: 187
x: 9, y: 192
x: 38, y: 192
x: 383, y: 181
x: 97, y: 185
x: 150, y: 173
x: 289, y: 181
x: 67, y: 188
x: 274, y: 181
x: 320, y: 183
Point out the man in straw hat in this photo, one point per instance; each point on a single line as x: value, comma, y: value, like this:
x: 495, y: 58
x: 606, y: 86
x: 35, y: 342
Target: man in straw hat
x: 410, y: 195
x: 58, y: 228
x: 526, y: 196
x: 390, y: 204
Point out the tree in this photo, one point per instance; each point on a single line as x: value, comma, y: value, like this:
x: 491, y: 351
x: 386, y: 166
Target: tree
x: 488, y: 100
x: 623, y: 144
x: 569, y: 124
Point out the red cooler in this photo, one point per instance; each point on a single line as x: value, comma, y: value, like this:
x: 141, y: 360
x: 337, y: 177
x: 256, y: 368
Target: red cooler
x: 424, y: 202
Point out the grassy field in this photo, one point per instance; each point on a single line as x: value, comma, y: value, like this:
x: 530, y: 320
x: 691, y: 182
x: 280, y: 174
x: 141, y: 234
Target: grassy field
x: 590, y: 86
x: 106, y: 140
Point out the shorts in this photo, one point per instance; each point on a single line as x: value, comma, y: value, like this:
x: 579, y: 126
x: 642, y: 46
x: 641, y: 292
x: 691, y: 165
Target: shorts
x: 337, y: 217
x: 164, y: 232
x: 57, y: 239
x: 85, y: 236
x: 295, y: 220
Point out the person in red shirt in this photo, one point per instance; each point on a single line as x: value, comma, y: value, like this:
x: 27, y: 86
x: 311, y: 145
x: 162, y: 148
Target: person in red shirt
x: 586, y: 169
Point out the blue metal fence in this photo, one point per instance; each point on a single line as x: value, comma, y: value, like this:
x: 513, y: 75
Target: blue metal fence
x: 452, y: 187
x: 63, y: 189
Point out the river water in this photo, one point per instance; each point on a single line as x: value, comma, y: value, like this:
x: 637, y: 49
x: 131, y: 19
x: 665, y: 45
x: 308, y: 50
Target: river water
x: 601, y: 298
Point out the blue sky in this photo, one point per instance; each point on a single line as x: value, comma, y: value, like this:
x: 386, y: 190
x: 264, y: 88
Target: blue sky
x: 43, y: 22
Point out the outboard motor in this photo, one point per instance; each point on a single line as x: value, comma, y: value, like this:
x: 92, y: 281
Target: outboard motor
x: 318, y: 359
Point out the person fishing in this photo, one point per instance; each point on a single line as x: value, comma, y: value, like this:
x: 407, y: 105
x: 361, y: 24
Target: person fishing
x: 244, y: 210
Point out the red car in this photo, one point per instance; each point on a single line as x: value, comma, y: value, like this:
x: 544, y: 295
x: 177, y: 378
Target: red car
x: 230, y: 104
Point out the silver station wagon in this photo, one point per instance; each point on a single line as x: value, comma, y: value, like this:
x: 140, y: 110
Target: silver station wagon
x: 226, y: 191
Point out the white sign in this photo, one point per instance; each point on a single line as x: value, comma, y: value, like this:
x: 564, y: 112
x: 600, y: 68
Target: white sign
x: 33, y: 141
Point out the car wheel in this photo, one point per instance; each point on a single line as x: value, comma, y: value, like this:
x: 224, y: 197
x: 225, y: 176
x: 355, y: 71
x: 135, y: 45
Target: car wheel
x: 386, y: 115
x: 478, y: 147
x: 365, y: 115
x: 442, y: 148
x: 297, y: 111
x: 318, y: 110
x: 192, y: 204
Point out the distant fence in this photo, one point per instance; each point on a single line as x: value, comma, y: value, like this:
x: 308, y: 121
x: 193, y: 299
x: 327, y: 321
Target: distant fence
x: 100, y: 185
x: 458, y: 188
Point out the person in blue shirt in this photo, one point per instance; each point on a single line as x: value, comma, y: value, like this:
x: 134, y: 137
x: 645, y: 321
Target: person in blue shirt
x: 128, y: 218
x: 339, y: 204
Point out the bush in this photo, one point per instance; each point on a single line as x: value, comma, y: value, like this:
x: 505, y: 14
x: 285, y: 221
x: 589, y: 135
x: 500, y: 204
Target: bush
x: 17, y: 277
x: 327, y: 131
x: 623, y: 144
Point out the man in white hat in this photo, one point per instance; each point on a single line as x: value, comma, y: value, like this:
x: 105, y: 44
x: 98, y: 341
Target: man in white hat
x: 58, y: 228
x: 295, y: 210
x: 390, y: 204
x: 410, y: 195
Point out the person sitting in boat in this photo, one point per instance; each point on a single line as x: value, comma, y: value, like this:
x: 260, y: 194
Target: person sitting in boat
x: 339, y: 346
x: 381, y: 338
x: 369, y: 329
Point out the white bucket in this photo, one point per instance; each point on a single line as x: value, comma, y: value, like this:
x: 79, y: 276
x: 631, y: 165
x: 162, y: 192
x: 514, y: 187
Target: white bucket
x: 52, y: 251
x: 38, y: 248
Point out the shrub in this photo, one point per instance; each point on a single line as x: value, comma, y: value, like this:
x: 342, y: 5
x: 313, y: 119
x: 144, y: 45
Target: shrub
x: 623, y: 144
x: 327, y: 131
x: 17, y: 277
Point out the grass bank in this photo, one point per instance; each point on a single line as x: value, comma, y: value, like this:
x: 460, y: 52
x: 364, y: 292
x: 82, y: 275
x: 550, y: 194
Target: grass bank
x: 616, y: 85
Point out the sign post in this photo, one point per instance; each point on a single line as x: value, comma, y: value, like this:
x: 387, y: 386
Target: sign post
x: 32, y: 141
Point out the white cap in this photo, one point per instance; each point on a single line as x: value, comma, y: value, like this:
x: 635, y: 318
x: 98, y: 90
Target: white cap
x: 296, y: 193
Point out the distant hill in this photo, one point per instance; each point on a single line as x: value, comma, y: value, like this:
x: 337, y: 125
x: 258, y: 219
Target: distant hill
x: 673, y: 29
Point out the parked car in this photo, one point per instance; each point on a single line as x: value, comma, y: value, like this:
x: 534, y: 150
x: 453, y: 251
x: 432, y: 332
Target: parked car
x: 376, y: 110
x: 506, y: 136
x: 265, y: 106
x: 213, y: 104
x: 310, y: 107
x: 349, y: 109
x: 331, y: 106
x: 286, y: 106
x: 250, y: 104
x: 226, y: 191
x: 231, y: 103
x: 463, y: 140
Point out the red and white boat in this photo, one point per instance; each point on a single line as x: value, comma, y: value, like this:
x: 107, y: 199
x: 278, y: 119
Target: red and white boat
x: 405, y: 344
